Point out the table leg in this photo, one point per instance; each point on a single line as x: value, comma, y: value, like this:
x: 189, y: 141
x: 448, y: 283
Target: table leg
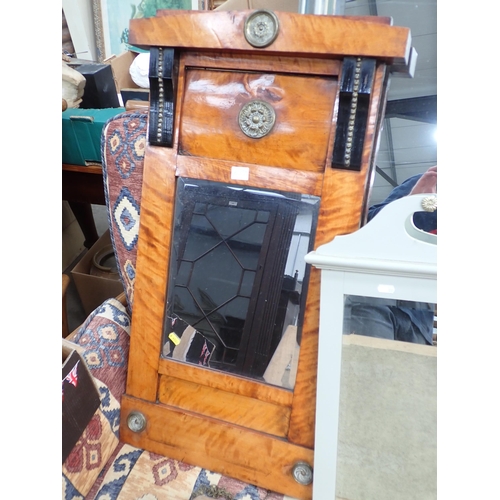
x: 85, y: 218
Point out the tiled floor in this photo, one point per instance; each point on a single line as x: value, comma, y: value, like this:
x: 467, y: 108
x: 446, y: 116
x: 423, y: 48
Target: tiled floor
x: 75, y: 312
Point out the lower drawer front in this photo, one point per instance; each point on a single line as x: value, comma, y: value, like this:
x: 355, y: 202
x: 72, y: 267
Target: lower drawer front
x: 236, y: 409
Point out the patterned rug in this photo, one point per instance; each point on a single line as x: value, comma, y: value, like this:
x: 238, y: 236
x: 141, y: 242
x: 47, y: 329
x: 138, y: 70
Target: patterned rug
x: 140, y: 475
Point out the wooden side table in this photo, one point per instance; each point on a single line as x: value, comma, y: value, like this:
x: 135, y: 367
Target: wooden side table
x: 82, y: 186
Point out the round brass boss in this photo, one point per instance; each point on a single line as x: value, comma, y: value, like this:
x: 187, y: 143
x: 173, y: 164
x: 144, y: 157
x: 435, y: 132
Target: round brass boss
x: 261, y: 28
x: 136, y: 421
x: 256, y: 119
x: 302, y: 473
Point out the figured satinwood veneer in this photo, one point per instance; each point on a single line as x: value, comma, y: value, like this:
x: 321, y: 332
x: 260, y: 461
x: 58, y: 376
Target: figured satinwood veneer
x: 227, y: 423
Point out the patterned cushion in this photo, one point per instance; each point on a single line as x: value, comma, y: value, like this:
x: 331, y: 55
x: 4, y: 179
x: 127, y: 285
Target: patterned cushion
x: 94, y: 448
x: 105, y: 335
x: 122, y: 150
x: 105, y: 339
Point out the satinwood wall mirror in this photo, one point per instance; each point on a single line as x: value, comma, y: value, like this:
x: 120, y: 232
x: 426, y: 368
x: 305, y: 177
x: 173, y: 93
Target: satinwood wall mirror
x: 262, y: 134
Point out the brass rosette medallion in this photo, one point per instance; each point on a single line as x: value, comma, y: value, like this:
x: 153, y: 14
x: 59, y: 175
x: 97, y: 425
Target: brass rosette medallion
x: 256, y: 119
x: 261, y: 28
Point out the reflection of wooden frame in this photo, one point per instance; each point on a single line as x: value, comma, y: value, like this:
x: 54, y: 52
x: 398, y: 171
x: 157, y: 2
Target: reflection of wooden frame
x: 111, y: 31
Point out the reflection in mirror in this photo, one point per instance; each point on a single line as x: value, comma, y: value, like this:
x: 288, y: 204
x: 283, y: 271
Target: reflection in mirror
x: 237, y: 279
x: 387, y: 402
x: 393, y: 319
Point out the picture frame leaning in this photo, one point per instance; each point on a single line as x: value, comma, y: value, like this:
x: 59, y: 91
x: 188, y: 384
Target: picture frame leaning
x: 112, y: 17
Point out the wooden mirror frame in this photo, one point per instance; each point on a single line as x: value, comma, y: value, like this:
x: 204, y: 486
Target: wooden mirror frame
x: 255, y: 432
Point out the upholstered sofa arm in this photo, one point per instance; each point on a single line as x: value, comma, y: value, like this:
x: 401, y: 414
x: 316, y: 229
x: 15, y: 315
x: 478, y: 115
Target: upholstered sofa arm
x: 104, y: 343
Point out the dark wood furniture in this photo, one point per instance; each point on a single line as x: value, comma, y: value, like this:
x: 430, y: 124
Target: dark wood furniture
x: 217, y: 80
x: 82, y: 186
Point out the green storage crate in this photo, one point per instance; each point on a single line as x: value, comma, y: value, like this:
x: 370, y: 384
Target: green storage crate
x: 81, y: 134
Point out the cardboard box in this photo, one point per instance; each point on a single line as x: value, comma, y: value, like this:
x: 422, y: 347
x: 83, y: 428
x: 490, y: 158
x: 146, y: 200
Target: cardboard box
x: 125, y: 86
x: 80, y: 397
x: 72, y: 236
x: 120, y: 66
x: 94, y: 290
x: 81, y: 134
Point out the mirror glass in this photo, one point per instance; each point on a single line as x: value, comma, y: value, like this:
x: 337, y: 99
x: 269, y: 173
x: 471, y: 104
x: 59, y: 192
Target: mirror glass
x: 388, y: 399
x: 237, y: 279
x: 393, y: 319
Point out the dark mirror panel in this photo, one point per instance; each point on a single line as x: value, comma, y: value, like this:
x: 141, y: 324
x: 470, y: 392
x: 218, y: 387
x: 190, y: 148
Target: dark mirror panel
x: 237, y: 281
